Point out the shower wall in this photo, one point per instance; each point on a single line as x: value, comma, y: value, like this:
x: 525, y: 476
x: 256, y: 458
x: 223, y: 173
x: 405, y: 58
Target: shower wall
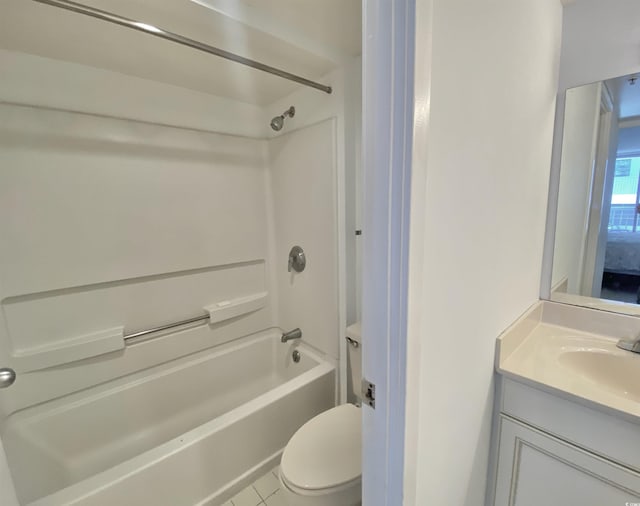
x: 303, y: 187
x: 110, y: 223
x: 317, y: 158
x: 111, y: 218
x: 35, y: 80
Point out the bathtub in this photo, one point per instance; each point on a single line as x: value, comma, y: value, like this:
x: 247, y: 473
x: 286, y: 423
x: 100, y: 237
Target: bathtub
x: 193, y: 431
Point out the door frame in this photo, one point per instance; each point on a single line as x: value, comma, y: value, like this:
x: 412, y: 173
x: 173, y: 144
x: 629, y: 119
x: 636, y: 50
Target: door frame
x: 596, y: 228
x: 388, y: 135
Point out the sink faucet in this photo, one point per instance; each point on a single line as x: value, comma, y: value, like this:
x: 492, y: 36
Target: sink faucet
x: 632, y: 344
x: 292, y: 334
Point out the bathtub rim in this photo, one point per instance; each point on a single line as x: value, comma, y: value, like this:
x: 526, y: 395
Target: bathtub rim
x: 112, y: 386
x: 92, y: 485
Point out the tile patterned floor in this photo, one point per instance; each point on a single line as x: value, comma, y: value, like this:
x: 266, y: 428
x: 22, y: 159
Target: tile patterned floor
x: 265, y: 491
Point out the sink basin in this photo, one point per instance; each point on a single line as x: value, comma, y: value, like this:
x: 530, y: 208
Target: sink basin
x: 618, y: 372
x: 567, y: 360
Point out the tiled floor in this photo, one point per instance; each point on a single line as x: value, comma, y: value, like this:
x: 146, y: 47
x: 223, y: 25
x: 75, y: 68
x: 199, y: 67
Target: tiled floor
x: 265, y: 491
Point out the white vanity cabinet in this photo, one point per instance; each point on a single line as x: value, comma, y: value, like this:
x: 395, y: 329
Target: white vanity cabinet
x: 551, y: 451
x: 538, y: 469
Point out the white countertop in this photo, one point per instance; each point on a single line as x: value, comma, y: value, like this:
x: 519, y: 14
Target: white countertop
x: 572, y: 351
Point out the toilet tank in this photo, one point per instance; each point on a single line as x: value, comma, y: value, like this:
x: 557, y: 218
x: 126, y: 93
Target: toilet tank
x: 354, y: 364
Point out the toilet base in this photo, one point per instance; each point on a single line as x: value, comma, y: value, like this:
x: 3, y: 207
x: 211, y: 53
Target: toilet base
x: 347, y: 495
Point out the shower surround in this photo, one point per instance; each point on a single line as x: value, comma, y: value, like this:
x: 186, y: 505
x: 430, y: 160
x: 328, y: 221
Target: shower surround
x: 117, y: 224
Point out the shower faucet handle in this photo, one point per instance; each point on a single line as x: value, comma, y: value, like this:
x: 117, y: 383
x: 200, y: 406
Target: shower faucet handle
x: 297, y: 259
x: 7, y: 377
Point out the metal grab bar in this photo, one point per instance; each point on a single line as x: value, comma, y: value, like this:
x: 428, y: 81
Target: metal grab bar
x: 8, y: 375
x: 114, y: 339
x: 179, y: 39
x: 166, y: 327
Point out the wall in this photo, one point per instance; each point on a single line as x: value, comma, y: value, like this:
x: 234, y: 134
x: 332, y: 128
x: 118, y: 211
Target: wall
x: 629, y: 141
x: 7, y: 492
x: 303, y: 180
x: 599, y: 41
x: 108, y: 95
x: 60, y: 181
x: 74, y: 87
x: 343, y: 108
x: 582, y: 112
x: 111, y: 223
x: 489, y: 112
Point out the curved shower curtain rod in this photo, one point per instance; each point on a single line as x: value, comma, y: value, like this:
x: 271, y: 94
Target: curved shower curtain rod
x: 179, y: 39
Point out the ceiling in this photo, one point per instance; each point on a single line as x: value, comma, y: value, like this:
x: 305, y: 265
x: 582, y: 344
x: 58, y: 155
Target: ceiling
x: 304, y: 37
x: 628, y: 95
x: 630, y: 99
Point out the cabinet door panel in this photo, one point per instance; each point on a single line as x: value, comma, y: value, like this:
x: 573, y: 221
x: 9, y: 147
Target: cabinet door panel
x: 537, y: 469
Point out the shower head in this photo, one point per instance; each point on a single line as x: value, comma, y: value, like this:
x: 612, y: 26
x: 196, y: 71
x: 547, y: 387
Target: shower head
x: 278, y: 122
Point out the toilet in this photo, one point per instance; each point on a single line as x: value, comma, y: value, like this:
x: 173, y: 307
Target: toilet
x: 322, y: 462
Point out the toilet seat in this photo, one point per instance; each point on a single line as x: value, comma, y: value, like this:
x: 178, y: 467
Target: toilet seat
x: 332, y: 491
x: 325, y: 453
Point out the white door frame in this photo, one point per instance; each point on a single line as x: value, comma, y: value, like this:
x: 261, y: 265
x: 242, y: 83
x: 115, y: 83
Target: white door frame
x: 388, y: 109
x: 596, y: 232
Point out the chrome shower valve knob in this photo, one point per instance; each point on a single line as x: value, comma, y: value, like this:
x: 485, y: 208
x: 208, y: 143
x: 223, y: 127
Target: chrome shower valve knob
x: 297, y: 259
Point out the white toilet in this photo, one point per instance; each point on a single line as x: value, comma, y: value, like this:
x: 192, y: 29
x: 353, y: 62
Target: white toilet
x: 322, y: 463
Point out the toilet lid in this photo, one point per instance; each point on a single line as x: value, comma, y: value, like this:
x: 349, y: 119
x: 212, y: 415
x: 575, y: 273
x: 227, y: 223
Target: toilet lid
x: 326, y: 451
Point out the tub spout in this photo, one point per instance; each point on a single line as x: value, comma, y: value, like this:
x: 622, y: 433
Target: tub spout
x: 292, y: 334
x: 632, y: 345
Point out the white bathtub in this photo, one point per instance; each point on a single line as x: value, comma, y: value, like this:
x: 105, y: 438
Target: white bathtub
x: 189, y: 432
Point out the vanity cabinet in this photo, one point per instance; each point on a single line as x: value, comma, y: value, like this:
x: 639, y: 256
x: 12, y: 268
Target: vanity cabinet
x: 536, y: 469
x: 553, y: 452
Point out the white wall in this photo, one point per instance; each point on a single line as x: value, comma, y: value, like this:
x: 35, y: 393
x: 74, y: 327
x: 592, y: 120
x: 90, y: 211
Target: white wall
x: 582, y: 112
x: 599, y: 41
x: 81, y: 139
x: 87, y: 247
x: 108, y: 223
x: 34, y: 80
x: 629, y: 141
x: 303, y: 181
x: 343, y: 107
x: 489, y: 115
x: 7, y: 492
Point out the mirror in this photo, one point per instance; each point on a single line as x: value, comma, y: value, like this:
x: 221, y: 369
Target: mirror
x: 596, y: 252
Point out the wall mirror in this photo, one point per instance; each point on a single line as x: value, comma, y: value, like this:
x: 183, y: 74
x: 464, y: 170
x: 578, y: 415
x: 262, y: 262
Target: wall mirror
x: 592, y: 246
x: 596, y: 252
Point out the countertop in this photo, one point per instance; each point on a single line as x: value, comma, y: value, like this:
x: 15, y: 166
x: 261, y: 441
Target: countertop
x: 571, y: 351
